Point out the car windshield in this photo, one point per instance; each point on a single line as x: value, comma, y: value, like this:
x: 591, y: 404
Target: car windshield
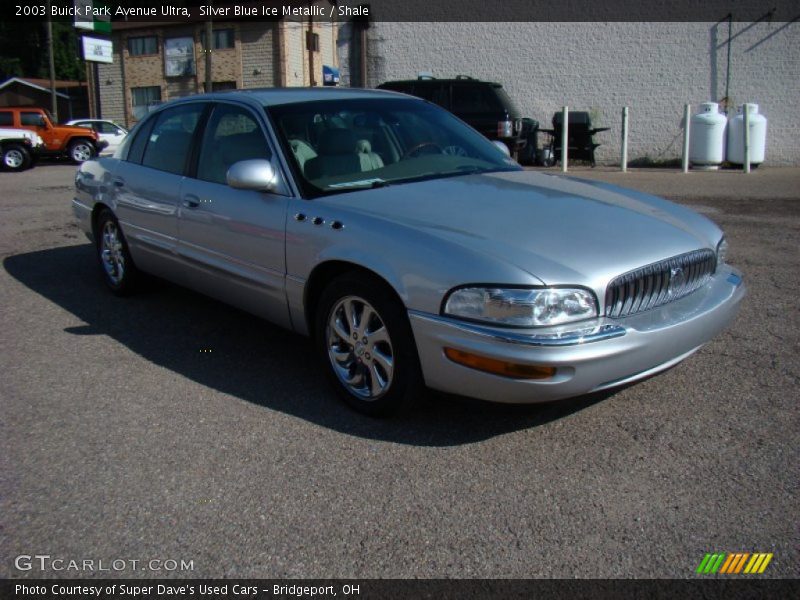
x: 344, y: 145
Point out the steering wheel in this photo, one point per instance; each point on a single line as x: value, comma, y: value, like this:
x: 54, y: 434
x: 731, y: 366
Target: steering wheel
x: 422, y: 145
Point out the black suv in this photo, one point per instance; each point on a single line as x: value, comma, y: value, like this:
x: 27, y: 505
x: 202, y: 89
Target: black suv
x: 482, y: 104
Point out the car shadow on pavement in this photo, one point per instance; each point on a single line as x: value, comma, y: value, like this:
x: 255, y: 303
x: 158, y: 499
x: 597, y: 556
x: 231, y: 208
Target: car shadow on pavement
x: 239, y: 354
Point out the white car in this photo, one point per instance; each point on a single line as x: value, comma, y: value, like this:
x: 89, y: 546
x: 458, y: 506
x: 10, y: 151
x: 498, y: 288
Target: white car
x: 107, y: 130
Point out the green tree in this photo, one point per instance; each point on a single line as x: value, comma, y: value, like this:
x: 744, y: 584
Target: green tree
x: 23, y: 51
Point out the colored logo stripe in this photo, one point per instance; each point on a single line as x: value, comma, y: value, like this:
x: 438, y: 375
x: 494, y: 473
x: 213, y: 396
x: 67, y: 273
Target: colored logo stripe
x: 711, y: 563
x: 758, y: 563
x: 734, y: 563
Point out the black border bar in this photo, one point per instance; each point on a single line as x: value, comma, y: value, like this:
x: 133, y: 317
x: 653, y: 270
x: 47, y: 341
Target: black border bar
x: 183, y: 11
x: 400, y: 589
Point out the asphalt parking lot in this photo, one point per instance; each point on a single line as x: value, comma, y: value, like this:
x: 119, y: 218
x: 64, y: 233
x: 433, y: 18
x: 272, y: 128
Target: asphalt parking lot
x: 168, y: 426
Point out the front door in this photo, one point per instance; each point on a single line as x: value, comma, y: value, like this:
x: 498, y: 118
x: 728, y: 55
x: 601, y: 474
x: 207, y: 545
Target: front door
x: 233, y: 240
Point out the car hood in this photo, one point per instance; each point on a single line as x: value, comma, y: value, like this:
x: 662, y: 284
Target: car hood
x: 76, y: 130
x: 559, y: 229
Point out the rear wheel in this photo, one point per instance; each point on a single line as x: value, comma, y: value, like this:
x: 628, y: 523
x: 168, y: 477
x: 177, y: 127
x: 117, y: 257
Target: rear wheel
x: 119, y: 272
x: 365, y: 342
x: 80, y: 151
x: 16, y: 158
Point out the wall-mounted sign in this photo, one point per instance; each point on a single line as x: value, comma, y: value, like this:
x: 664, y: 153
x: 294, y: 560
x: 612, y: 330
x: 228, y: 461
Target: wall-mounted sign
x: 179, y: 56
x: 97, y: 50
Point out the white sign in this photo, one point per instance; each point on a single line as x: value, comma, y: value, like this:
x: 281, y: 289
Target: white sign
x: 97, y: 50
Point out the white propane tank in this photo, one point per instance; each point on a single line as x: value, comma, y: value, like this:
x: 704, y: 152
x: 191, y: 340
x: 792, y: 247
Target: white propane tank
x: 758, y: 136
x: 707, y: 137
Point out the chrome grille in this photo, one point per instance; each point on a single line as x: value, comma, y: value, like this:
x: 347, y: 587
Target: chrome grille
x: 659, y: 283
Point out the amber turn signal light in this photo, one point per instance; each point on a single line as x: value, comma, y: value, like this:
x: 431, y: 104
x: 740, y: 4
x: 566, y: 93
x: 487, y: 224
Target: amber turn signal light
x: 499, y: 367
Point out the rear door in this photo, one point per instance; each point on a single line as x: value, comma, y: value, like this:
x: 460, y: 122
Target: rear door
x: 147, y: 186
x: 233, y: 240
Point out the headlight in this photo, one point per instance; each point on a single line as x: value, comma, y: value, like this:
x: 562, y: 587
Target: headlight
x: 722, y: 251
x: 521, y: 307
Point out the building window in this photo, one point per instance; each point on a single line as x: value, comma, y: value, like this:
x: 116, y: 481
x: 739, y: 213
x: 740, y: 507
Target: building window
x: 223, y: 38
x: 219, y: 86
x: 179, y: 57
x: 143, y: 98
x: 141, y: 46
x: 6, y: 119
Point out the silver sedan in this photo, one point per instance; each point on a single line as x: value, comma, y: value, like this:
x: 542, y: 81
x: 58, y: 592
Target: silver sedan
x: 413, y: 251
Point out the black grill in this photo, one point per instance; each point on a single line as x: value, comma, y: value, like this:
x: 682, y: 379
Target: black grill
x: 659, y: 283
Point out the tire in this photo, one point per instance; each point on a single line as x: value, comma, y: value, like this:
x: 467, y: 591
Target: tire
x: 382, y: 366
x: 80, y: 151
x: 16, y: 158
x: 116, y: 265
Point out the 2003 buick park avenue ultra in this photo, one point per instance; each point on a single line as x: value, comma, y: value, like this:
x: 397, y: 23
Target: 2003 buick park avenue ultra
x: 413, y: 250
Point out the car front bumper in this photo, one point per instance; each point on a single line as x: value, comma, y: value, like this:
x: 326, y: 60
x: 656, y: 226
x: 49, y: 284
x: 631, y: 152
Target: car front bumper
x: 604, y: 354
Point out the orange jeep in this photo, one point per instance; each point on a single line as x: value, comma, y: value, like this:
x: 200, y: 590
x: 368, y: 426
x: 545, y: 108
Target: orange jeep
x: 76, y: 143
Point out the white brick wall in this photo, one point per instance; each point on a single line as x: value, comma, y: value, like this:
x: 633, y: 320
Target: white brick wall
x: 654, y: 68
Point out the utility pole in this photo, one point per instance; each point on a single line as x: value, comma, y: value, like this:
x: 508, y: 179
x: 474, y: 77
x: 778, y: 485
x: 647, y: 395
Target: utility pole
x: 51, y: 60
x: 209, y: 45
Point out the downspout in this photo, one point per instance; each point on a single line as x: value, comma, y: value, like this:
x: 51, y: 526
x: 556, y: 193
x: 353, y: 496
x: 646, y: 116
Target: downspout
x: 362, y: 59
x: 280, y: 72
x: 728, y: 65
x: 126, y: 113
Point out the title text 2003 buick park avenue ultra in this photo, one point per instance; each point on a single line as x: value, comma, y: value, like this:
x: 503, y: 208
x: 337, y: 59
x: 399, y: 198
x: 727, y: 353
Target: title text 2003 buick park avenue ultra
x: 413, y: 250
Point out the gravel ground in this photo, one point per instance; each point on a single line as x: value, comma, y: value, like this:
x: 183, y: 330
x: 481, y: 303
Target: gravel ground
x: 121, y: 439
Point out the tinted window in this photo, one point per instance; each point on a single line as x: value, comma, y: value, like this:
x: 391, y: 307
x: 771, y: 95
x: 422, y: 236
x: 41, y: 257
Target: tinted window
x: 436, y: 93
x: 223, y: 38
x: 170, y: 141
x: 31, y: 119
x: 139, y: 46
x: 141, y: 134
x: 474, y: 99
x: 6, y: 119
x: 232, y: 134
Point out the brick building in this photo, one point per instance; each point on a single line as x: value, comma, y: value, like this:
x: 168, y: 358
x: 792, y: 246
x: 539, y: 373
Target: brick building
x: 155, y: 62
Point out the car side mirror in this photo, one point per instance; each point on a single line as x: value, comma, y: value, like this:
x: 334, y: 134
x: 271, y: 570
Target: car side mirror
x: 255, y: 174
x: 502, y: 147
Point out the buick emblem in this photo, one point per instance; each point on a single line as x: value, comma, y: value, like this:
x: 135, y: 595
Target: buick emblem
x: 677, y: 279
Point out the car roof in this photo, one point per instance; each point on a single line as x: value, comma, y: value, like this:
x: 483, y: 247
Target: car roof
x: 434, y: 80
x: 278, y: 96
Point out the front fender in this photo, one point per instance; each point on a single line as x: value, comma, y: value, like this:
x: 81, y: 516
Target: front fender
x: 418, y: 265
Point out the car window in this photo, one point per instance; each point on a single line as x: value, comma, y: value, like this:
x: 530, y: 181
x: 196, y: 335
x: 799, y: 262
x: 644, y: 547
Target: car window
x: 31, y: 119
x: 170, y: 140
x: 141, y: 134
x: 232, y: 134
x: 473, y: 99
x: 103, y: 127
x: 6, y: 119
x: 344, y: 145
x: 433, y: 92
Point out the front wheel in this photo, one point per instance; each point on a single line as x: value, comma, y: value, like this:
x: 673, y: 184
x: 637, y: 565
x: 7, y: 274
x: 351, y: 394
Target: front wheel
x: 16, y: 158
x: 365, y: 341
x: 119, y: 272
x: 80, y: 151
